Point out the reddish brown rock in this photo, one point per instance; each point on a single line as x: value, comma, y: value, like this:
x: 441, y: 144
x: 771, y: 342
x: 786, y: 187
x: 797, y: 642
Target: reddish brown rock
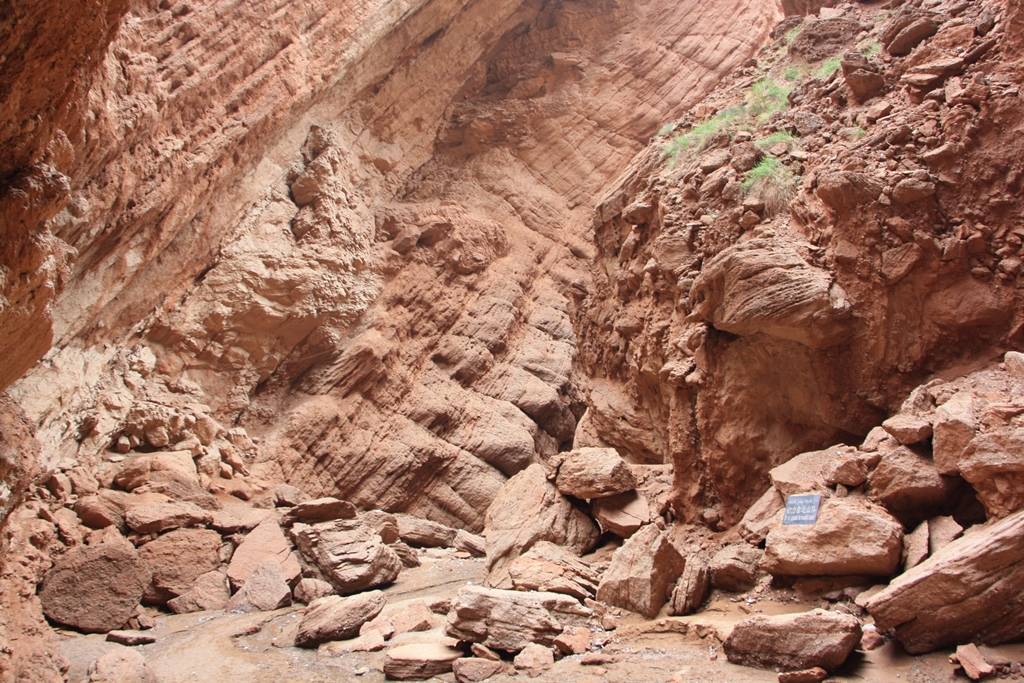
x: 851, y: 537
x: 94, y: 588
x: 534, y: 659
x: 794, y: 641
x: 308, y: 590
x: 691, y: 588
x: 954, y: 428
x: 474, y: 670
x: 175, y: 560
x: 972, y: 662
x: 985, y: 567
x: 573, y: 641
x: 153, y: 518
x: 552, y: 568
x: 210, y: 591
x: 130, y: 638
x: 424, y: 533
x: 993, y: 463
x: 594, y: 473
x: 909, y: 485
x: 908, y: 429
x: 106, y: 508
x: 349, y: 553
x: 419, y: 661
x: 527, y: 510
x: 320, y: 510
x: 265, y: 542
x: 734, y: 567
x: 622, y: 514
x: 815, y: 675
x: 642, y: 572
x: 337, y: 618
x: 265, y: 589
x: 122, y: 666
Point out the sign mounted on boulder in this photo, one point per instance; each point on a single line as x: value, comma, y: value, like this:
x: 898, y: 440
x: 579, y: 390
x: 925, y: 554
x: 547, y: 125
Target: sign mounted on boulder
x: 802, y: 509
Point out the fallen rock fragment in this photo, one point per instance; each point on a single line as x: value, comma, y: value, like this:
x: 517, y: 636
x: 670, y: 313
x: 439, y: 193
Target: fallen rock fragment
x: 210, y: 591
x: 792, y: 642
x: 419, y: 661
x: 734, y: 568
x: 971, y: 590
x: 573, y: 641
x: 814, y: 675
x: 265, y: 542
x: 319, y: 510
x: 308, y: 590
x: 971, y: 661
x: 473, y: 544
x: 622, y: 514
x: 510, y: 620
x: 910, y: 486
x: 552, y: 568
x: 338, y: 618
x: 264, y: 590
x: 534, y: 659
x: 424, y: 533
x: 176, y: 560
x: 851, y: 537
x: 594, y: 473
x: 642, y: 572
x: 154, y: 518
x: 474, y: 670
x: 94, y: 588
x: 993, y: 463
x: 122, y: 666
x: 350, y: 554
x: 130, y: 638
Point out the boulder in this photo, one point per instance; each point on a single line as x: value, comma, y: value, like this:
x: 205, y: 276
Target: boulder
x: 473, y: 544
x: 474, y: 670
x: 534, y: 659
x: 337, y: 618
x: 574, y: 640
x: 805, y: 473
x: 319, y: 510
x: 552, y: 568
x: 210, y: 591
x: 941, y: 532
x: 286, y: 495
x: 528, y: 509
x: 953, y: 430
x: 384, y: 523
x: 264, y: 590
x: 238, y: 519
x: 622, y: 514
x: 972, y: 590
x: 122, y: 666
x: 140, y: 470
x: 691, y: 588
x: 511, y: 620
x: 265, y: 542
x: 993, y: 463
x: 915, y: 546
x: 349, y: 553
x: 176, y: 559
x: 849, y: 468
x: 424, y: 533
x: 760, y: 517
x: 594, y: 473
x: 408, y: 555
x: 910, y: 486
x: 908, y: 428
x: 419, y: 661
x: 851, y: 537
x: 154, y: 518
x: 791, y: 642
x: 642, y: 572
x: 308, y: 590
x: 734, y: 567
x: 106, y: 508
x: 94, y: 588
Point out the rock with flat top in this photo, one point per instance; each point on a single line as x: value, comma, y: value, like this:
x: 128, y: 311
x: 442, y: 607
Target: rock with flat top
x: 954, y: 428
x: 337, y: 618
x: 154, y: 518
x: 106, y: 508
x: 622, y: 514
x: 144, y: 469
x: 510, y: 620
x: 552, y: 568
x: 792, y: 642
x: 526, y: 510
x: 319, y: 510
x: 915, y: 546
x: 263, y: 543
x: 760, y: 517
x: 805, y: 473
x: 907, y: 428
x: 264, y: 590
x: 910, y: 486
x: 350, y: 554
x: 122, y: 666
x: 424, y: 533
x: 993, y: 463
x: 419, y: 661
x: 852, y: 536
x: 130, y: 638
x: 94, y: 588
x: 574, y: 640
x: 691, y: 588
x: 308, y: 590
x: 972, y: 590
x: 642, y: 572
x: 534, y: 659
x: 594, y: 473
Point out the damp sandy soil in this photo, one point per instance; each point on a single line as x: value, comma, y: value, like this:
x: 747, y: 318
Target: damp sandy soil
x: 212, y: 647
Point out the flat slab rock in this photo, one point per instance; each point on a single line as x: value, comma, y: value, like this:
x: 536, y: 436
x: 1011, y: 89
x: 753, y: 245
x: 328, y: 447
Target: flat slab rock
x: 552, y: 568
x: 971, y: 590
x: 511, y: 620
x: 419, y: 661
x: 594, y: 473
x: 791, y: 642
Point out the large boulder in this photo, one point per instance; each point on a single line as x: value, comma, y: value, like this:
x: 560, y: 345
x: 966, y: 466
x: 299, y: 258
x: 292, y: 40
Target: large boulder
x: 622, y: 514
x: 851, y: 537
x: 526, y: 510
x: 176, y: 559
x: 94, y: 588
x: 264, y: 590
x: 971, y: 590
x: 791, y: 642
x: 106, y: 508
x: 552, y: 568
x: 424, y: 533
x: 349, y: 553
x: 993, y: 463
x: 337, y: 618
x: 143, y: 469
x: 594, y: 473
x: 952, y: 431
x: 510, y: 620
x: 642, y: 572
x: 734, y: 567
x: 263, y: 543
x: 910, y: 486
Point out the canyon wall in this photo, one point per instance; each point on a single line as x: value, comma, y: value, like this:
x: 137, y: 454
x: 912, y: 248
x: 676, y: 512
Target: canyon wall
x: 337, y: 245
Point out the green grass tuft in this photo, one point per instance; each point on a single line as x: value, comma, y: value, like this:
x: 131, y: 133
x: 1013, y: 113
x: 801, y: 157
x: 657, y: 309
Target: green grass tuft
x: 767, y: 97
x: 773, y: 183
x: 780, y: 136
x: 828, y: 68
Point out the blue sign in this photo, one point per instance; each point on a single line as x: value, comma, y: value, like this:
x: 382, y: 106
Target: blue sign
x: 802, y: 509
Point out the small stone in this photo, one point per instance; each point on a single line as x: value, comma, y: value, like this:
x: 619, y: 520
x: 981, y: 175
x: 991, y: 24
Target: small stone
x: 815, y: 675
x: 573, y: 641
x: 419, y: 661
x: 130, y: 638
x: 974, y: 665
x: 473, y: 670
x: 871, y: 639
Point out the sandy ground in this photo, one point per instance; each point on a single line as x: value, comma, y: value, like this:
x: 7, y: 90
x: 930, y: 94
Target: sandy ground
x: 206, y: 647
